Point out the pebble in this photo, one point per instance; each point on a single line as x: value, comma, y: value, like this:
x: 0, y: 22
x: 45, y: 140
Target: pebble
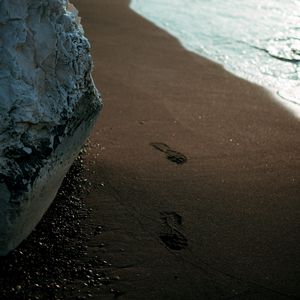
x: 51, y: 261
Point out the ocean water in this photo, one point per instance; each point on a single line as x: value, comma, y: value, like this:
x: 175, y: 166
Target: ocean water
x: 258, y: 40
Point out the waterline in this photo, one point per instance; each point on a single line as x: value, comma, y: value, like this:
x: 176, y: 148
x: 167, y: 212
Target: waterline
x: 257, y: 41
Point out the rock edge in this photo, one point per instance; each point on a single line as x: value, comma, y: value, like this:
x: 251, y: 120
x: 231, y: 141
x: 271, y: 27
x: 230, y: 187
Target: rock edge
x: 48, y: 105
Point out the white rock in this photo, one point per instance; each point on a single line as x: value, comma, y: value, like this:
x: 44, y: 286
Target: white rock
x: 48, y: 104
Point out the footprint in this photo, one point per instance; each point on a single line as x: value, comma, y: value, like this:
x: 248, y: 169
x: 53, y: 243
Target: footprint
x: 171, y: 234
x: 171, y: 155
x: 174, y: 241
x: 171, y: 218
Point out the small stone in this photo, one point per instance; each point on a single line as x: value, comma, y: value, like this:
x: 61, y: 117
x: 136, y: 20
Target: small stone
x: 116, y: 277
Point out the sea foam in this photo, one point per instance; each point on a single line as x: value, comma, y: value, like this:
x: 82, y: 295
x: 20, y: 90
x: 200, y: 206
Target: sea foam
x: 256, y: 40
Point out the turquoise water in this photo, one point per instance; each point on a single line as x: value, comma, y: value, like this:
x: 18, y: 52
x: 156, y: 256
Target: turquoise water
x: 258, y: 40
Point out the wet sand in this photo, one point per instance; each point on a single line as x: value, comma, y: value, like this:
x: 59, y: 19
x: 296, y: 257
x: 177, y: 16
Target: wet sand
x: 224, y: 224
x: 194, y: 176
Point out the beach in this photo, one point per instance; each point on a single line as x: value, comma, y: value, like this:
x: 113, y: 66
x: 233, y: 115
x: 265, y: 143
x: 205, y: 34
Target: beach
x: 193, y: 173
x: 237, y: 194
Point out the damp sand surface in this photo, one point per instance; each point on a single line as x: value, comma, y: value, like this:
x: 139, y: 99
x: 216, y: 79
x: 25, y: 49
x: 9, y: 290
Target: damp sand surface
x: 193, y: 193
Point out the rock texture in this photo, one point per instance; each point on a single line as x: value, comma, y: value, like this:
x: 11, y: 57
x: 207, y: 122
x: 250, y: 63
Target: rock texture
x: 48, y: 104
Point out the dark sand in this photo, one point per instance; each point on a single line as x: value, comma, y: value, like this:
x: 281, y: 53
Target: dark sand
x: 194, y: 174
x: 223, y: 223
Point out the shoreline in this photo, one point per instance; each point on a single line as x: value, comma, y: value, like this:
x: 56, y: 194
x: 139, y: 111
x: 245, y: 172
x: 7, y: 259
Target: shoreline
x: 190, y: 179
x: 293, y: 106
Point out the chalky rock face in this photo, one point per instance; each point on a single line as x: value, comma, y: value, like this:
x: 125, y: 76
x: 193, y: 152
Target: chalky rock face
x: 48, y: 104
